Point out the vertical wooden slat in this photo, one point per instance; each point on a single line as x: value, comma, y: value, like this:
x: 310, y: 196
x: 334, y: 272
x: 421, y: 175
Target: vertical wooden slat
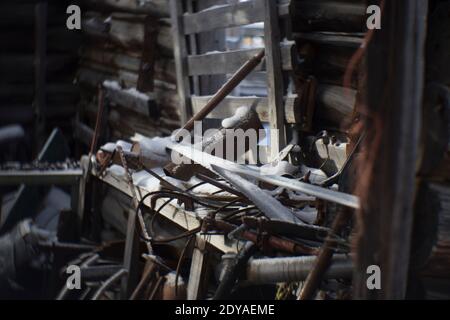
x: 395, y: 85
x: 40, y: 61
x: 197, y: 273
x: 131, y: 256
x: 180, y: 53
x: 275, y: 88
x: 193, y: 49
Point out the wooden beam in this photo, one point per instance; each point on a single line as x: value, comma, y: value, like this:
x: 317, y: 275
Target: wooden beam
x: 111, y: 58
x: 211, y: 41
x: 229, y: 61
x: 275, y: 87
x: 180, y: 52
x: 228, y: 16
x: 197, y: 273
x: 224, y: 16
x: 128, y: 98
x: 395, y: 83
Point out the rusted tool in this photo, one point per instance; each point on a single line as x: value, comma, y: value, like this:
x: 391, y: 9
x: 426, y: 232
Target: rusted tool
x: 225, y: 90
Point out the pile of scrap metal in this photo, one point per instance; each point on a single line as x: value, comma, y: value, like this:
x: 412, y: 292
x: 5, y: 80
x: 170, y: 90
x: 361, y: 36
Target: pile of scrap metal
x: 214, y: 229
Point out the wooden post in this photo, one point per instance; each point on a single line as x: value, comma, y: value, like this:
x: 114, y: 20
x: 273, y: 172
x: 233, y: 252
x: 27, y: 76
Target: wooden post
x: 131, y: 256
x: 197, y: 274
x: 274, y: 76
x: 395, y: 85
x: 180, y: 52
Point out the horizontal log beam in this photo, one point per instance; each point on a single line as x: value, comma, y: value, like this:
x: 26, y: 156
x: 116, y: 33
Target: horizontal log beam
x: 328, y: 16
x: 111, y: 59
x: 128, y: 98
x: 126, y: 33
x: 335, y: 104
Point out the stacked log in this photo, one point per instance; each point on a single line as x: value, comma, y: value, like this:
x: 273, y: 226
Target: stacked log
x: 115, y: 42
x: 18, y: 66
x: 328, y: 33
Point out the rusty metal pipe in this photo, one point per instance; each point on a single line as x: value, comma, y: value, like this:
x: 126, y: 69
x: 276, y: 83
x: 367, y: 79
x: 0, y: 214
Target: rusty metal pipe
x: 275, y: 270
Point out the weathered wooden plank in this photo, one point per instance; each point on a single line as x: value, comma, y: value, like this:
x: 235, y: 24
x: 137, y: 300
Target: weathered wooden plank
x: 131, y: 33
x: 127, y: 33
x: 180, y: 53
x: 197, y: 272
x: 229, y: 105
x: 395, y: 56
x: 211, y: 41
x: 128, y: 98
x: 224, y: 16
x: 91, y: 75
x: 111, y: 58
x: 229, y: 61
x: 275, y: 86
